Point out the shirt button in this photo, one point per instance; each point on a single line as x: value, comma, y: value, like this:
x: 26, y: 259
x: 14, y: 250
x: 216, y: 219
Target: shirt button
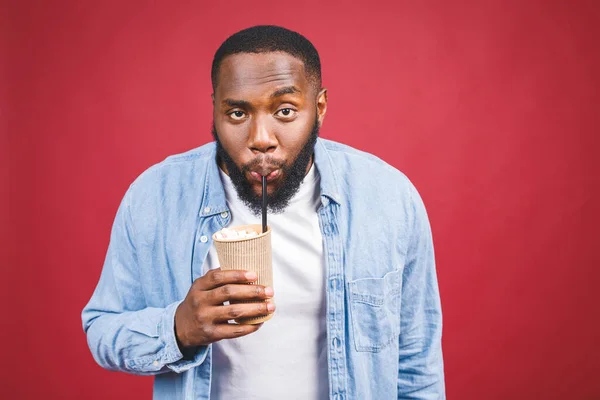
x: 155, y: 363
x: 335, y: 283
x: 206, y: 210
x: 337, y: 343
x: 224, y: 214
x: 203, y: 239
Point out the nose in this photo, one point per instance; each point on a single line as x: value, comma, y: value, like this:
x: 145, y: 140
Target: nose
x: 261, y: 138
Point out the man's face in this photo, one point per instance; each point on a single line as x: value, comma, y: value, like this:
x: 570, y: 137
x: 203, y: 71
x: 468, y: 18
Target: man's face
x: 266, y: 114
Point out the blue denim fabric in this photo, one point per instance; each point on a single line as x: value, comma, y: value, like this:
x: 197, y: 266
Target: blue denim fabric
x: 384, y: 320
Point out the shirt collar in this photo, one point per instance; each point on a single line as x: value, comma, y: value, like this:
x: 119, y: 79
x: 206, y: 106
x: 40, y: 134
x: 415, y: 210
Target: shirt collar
x: 214, y: 200
x: 214, y: 194
x: 329, y: 180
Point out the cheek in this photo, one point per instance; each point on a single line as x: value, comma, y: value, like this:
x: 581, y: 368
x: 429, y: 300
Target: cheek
x: 293, y: 137
x: 232, y: 137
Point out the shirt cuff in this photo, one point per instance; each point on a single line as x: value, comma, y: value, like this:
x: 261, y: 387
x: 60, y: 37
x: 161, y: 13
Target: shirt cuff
x: 172, y: 357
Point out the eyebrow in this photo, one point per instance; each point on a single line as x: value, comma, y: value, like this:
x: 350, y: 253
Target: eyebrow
x: 285, y: 90
x: 236, y: 103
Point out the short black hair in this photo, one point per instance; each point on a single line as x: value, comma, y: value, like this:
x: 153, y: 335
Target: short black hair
x: 265, y: 39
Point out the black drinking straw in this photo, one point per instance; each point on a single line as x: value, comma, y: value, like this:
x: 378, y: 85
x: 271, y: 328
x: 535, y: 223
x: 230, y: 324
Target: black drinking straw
x: 264, y: 204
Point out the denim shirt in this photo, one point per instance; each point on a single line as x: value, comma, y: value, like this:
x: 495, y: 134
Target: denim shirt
x: 384, y: 320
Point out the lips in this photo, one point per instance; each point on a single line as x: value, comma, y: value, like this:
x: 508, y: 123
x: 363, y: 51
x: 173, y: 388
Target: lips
x: 270, y: 173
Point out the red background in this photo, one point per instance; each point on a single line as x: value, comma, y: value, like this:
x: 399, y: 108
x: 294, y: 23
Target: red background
x: 490, y: 107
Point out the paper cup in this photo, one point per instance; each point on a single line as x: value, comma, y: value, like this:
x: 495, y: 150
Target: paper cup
x: 251, y: 254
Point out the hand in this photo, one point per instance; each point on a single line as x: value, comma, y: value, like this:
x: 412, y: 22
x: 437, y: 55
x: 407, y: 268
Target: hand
x: 202, y: 318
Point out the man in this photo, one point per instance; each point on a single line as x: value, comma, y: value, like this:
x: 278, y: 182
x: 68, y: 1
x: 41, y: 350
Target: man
x: 358, y: 312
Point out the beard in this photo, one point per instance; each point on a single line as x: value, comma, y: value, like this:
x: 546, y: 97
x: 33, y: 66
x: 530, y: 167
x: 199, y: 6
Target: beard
x: 291, y: 178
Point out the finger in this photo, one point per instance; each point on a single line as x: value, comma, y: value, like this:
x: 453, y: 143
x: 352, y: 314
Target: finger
x: 218, y: 277
x: 245, y: 310
x: 232, y: 331
x: 237, y: 292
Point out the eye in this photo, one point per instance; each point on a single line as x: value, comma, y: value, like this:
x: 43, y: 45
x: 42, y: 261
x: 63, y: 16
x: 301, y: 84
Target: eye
x: 286, y: 113
x: 237, y: 115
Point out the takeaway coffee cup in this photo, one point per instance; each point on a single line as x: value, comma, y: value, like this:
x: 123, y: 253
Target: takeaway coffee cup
x: 251, y: 253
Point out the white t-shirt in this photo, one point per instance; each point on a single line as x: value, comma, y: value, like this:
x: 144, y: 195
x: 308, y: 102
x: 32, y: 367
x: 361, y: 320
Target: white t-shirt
x: 287, y: 357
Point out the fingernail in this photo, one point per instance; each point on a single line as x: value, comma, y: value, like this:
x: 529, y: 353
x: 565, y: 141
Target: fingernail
x: 269, y: 291
x: 251, y: 276
x: 270, y: 306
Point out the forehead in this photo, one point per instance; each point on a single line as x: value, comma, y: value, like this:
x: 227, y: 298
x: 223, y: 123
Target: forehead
x: 251, y: 74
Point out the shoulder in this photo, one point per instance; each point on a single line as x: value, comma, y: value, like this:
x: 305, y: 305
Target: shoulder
x: 176, y: 174
x: 365, y: 170
x: 371, y: 190
x: 192, y: 161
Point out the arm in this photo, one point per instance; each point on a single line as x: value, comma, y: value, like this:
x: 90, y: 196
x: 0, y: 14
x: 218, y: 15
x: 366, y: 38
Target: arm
x: 421, y: 369
x: 124, y: 334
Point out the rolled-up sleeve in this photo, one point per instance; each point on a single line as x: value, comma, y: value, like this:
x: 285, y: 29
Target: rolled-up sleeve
x: 124, y: 334
x: 421, y: 367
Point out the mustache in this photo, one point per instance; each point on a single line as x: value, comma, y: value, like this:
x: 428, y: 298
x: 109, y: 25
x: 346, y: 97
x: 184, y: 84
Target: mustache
x: 263, y: 161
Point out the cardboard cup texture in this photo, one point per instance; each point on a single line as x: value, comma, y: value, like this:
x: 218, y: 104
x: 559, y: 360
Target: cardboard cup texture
x: 252, y: 254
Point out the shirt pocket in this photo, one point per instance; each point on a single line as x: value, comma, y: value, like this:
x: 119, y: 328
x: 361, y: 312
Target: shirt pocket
x: 375, y: 311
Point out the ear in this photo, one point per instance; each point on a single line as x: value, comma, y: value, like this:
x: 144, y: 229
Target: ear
x: 321, y: 105
x: 212, y: 96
